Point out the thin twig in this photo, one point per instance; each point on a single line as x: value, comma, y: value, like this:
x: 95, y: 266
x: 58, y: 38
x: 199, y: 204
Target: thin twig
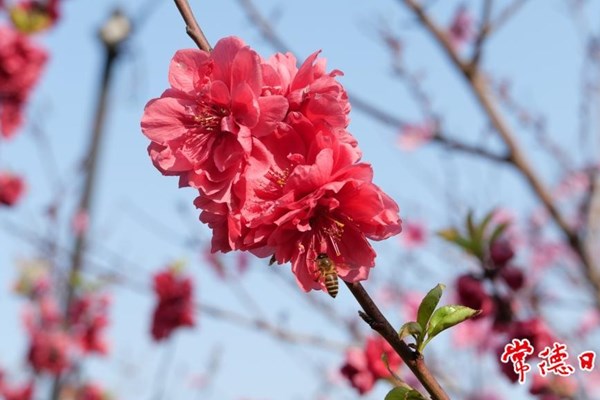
x: 483, y: 32
x: 505, y: 16
x: 191, y: 25
x: 415, y: 361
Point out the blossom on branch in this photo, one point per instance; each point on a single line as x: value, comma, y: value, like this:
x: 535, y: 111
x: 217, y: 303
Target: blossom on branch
x: 203, y: 127
x: 21, y: 64
x: 12, y: 187
x: 266, y: 144
x: 20, y: 392
x: 363, y: 367
x: 175, y: 306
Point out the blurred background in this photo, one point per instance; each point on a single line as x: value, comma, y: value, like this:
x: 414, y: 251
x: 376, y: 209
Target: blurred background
x: 414, y: 114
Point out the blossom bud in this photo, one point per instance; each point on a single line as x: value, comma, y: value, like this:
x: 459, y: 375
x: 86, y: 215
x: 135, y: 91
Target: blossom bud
x: 501, y: 252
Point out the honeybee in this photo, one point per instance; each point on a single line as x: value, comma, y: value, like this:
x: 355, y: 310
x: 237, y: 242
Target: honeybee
x: 329, y: 273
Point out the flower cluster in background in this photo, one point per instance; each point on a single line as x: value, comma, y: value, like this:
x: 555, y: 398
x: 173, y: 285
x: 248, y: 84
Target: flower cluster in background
x: 175, y: 307
x: 364, y: 367
x: 56, y: 342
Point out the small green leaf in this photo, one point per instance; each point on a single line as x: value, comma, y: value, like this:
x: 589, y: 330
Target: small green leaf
x: 404, y: 393
x: 453, y: 236
x: 448, y: 316
x: 428, y: 304
x: 450, y: 234
x: 483, y: 225
x: 411, y: 328
x: 498, y: 231
x: 471, y: 226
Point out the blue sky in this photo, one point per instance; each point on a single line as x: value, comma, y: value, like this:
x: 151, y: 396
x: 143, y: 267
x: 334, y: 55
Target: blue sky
x: 142, y: 221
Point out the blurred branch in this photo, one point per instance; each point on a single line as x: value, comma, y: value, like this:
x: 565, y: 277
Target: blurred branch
x: 269, y: 34
x: 505, y: 15
x: 273, y: 330
x: 415, y: 361
x: 481, y: 91
x: 483, y: 32
x: 533, y: 122
x: 191, y: 25
x: 324, y: 308
x: 137, y: 286
x: 113, y: 33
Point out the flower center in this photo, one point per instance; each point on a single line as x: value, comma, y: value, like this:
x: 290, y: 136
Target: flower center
x: 330, y: 230
x: 209, y: 115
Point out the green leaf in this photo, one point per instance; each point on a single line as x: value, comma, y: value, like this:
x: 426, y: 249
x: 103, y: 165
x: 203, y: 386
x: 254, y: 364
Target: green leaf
x: 428, y: 304
x: 410, y: 328
x: 450, y: 234
x: 404, y: 393
x: 471, y: 226
x: 483, y: 225
x: 498, y: 231
x: 448, y: 316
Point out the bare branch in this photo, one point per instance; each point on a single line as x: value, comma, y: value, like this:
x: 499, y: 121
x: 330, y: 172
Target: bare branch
x: 483, y: 32
x: 191, y: 25
x: 505, y: 16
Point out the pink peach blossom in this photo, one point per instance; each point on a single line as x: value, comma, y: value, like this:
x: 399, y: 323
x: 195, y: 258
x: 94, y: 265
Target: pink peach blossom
x: 364, y: 367
x: 49, y: 351
x: 203, y: 127
x: 21, y: 64
x: 461, y: 28
x: 175, y: 308
x: 414, y: 234
x: 12, y: 188
x: 413, y: 136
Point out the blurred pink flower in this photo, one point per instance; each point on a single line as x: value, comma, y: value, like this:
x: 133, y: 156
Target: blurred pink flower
x: 12, y: 188
x: 461, y: 29
x: 471, y: 293
x: 88, y: 319
x: 413, y: 136
x: 414, y: 234
x: 476, y: 334
x: 21, y: 64
x: 364, y: 367
x: 411, y: 300
x: 49, y: 351
x: 21, y: 392
x: 175, y: 307
x: 548, y: 253
x: 574, y: 184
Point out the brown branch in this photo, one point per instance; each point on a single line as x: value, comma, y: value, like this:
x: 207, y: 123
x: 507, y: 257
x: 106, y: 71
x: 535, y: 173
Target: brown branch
x: 415, y: 361
x: 482, y: 93
x: 483, y: 33
x: 505, y: 16
x: 191, y: 25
